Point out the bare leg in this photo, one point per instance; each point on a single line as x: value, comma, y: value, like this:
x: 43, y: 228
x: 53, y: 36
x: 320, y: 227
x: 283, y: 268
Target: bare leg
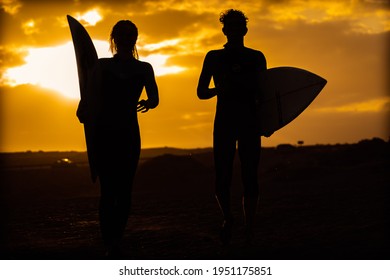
x: 249, y: 151
x: 224, y: 151
x: 250, y: 209
x: 226, y: 230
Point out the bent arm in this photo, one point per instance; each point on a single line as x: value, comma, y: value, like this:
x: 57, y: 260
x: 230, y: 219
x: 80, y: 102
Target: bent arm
x: 203, y: 90
x: 151, y: 88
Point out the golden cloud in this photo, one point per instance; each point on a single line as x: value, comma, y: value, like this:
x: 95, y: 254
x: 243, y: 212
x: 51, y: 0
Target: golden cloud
x: 363, y: 16
x: 30, y: 27
x: 90, y: 18
x: 11, y: 7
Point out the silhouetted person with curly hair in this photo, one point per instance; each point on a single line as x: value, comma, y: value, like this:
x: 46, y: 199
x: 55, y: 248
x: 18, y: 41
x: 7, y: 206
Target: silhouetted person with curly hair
x: 235, y: 70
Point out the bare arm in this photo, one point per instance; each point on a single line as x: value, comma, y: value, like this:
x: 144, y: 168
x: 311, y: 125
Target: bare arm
x: 203, y: 90
x: 151, y: 91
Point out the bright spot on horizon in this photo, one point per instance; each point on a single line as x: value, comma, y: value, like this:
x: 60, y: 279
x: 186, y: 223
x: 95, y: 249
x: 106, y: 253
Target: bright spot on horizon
x: 55, y: 68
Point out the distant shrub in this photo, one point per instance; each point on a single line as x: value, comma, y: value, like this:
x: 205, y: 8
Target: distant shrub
x: 285, y: 147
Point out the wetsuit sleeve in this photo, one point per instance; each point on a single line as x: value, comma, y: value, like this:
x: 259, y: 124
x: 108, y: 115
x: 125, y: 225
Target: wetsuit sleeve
x: 151, y: 87
x: 203, y: 90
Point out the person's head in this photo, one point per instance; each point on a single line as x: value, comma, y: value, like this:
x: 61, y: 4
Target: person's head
x: 123, y: 37
x: 234, y: 24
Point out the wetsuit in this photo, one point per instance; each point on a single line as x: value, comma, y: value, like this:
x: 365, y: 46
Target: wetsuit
x: 117, y: 137
x: 236, y: 73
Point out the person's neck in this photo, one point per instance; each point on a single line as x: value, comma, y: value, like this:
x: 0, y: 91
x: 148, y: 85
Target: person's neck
x: 234, y: 44
x: 124, y: 55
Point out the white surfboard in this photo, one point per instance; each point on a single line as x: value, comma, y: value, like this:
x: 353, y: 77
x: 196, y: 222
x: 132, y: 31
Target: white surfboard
x: 287, y: 92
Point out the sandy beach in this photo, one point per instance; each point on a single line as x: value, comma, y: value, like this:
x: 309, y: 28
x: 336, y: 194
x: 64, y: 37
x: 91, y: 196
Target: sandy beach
x: 316, y: 202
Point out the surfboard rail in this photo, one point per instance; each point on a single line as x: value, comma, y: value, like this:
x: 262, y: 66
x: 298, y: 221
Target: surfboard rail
x: 86, y: 59
x: 286, y: 92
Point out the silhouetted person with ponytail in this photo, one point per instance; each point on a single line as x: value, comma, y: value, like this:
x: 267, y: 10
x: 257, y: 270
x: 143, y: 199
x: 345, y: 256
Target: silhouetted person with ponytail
x: 118, y: 82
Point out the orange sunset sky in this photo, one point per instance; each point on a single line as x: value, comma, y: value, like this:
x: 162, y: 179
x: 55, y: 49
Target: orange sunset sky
x: 346, y: 42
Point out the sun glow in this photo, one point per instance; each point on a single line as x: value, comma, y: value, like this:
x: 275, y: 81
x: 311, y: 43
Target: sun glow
x: 51, y: 67
x: 30, y: 27
x: 55, y: 68
x: 158, y: 61
x: 166, y: 43
x: 90, y: 18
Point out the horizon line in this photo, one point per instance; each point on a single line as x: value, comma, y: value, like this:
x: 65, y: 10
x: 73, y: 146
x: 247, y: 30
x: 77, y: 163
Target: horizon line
x: 202, y: 148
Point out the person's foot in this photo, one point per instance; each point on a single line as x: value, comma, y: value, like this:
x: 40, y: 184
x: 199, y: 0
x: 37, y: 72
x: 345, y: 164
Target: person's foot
x: 226, y: 232
x: 248, y: 236
x: 114, y: 252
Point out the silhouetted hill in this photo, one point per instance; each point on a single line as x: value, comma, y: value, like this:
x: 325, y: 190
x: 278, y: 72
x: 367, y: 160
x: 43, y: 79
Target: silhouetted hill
x: 153, y: 152
x: 321, y: 154
x: 40, y: 158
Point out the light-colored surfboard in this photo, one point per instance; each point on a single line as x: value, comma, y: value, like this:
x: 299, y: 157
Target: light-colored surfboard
x: 86, y: 58
x: 287, y: 92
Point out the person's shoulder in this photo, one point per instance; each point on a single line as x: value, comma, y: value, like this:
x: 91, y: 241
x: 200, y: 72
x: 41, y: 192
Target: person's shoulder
x: 253, y: 51
x: 217, y: 51
x: 256, y: 54
x: 143, y: 64
x: 214, y: 54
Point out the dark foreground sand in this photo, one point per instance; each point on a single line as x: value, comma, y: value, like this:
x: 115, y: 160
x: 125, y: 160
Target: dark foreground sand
x: 319, y: 202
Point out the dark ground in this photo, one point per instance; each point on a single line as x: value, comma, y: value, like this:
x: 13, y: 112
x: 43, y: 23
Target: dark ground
x: 317, y: 202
